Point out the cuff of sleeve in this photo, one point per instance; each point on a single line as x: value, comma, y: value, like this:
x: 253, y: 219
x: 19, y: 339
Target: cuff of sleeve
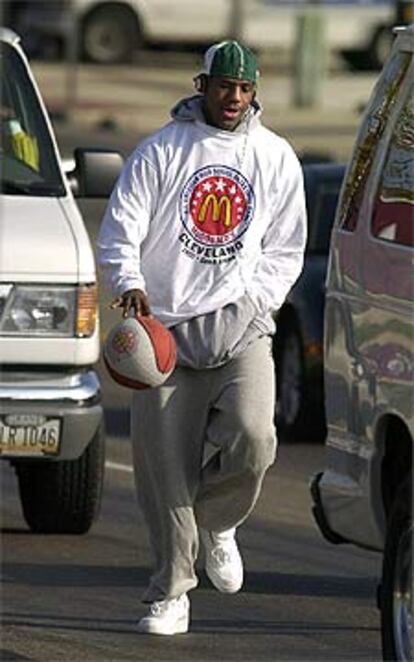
x: 129, y: 284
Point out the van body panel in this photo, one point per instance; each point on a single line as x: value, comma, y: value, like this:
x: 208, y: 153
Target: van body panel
x: 86, y: 260
x: 49, y: 351
x: 37, y: 245
x: 369, y: 335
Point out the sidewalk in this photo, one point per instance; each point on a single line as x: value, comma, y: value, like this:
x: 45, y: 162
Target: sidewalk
x: 138, y: 98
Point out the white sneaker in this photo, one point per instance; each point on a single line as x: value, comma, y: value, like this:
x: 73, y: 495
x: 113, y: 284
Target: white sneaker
x: 170, y: 616
x: 224, y: 565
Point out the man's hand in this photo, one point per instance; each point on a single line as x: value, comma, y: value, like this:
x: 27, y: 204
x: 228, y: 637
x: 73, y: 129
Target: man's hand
x: 136, y: 300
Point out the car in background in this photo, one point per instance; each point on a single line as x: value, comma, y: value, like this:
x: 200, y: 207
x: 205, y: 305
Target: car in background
x: 298, y: 343
x: 51, y: 418
x: 111, y: 31
x: 364, y: 493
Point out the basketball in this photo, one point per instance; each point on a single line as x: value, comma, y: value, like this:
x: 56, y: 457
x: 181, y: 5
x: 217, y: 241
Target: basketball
x: 140, y: 352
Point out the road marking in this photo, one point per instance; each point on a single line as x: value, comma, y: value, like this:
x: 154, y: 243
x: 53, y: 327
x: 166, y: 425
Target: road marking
x: 119, y: 467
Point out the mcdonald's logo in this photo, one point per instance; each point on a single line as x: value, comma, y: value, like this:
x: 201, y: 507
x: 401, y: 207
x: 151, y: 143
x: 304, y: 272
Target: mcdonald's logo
x: 216, y: 204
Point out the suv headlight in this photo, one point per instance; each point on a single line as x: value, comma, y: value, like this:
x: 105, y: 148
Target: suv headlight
x: 57, y: 311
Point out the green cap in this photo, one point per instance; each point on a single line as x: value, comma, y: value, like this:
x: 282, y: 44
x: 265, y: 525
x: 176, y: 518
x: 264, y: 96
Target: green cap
x: 231, y: 60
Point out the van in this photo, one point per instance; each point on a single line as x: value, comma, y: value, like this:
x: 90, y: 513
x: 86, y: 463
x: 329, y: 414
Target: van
x: 364, y: 494
x: 51, y: 425
x: 109, y: 31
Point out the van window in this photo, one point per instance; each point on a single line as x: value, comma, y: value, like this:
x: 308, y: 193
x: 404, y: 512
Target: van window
x: 393, y: 214
x: 372, y: 128
x: 28, y: 163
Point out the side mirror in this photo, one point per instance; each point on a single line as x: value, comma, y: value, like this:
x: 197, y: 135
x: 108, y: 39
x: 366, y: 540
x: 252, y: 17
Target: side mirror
x: 95, y: 173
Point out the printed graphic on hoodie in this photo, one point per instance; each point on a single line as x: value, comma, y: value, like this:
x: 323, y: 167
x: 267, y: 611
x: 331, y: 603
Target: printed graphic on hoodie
x: 216, y: 208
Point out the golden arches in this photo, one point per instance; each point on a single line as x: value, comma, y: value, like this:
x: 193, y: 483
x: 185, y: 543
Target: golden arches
x: 216, y: 203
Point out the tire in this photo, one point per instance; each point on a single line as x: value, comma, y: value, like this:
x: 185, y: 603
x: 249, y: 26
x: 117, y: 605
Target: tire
x: 65, y: 496
x: 296, y: 417
x: 110, y: 35
x: 380, y: 47
x: 396, y: 600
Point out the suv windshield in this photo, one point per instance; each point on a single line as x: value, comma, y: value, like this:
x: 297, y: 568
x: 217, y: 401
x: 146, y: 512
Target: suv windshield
x: 28, y: 164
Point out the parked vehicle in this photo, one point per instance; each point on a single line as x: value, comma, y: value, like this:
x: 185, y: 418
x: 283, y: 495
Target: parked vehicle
x: 110, y: 31
x: 364, y: 494
x: 298, y: 343
x: 50, y: 411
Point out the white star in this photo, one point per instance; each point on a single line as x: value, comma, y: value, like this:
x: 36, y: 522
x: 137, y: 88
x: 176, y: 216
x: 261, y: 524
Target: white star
x: 207, y: 186
x: 220, y: 185
x: 238, y: 199
x: 233, y: 190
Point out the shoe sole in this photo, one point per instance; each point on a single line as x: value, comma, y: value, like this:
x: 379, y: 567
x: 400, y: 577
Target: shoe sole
x: 221, y: 586
x: 153, y: 628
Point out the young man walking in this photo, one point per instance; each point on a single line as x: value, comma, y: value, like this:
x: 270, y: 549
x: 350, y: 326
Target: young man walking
x: 205, y: 230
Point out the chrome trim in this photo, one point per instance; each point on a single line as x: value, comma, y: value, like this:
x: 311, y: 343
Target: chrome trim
x: 81, y: 388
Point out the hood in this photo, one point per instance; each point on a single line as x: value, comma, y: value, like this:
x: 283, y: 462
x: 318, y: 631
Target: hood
x: 190, y: 110
x: 36, y: 241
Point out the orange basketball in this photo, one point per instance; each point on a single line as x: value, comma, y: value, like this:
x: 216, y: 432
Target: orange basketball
x: 140, y: 352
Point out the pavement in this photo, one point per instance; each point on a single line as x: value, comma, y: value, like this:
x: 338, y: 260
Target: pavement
x: 136, y: 99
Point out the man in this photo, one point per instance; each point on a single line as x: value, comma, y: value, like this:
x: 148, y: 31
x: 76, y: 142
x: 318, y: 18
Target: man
x: 206, y: 231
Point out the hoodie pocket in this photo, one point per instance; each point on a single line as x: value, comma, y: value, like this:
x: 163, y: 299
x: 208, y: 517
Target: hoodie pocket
x: 211, y: 340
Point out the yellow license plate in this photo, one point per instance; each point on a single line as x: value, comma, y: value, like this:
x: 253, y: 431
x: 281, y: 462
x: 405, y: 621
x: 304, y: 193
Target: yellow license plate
x: 32, y: 435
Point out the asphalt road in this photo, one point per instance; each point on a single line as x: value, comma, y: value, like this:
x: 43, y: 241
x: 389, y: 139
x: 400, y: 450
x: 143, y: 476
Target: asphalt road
x: 78, y: 597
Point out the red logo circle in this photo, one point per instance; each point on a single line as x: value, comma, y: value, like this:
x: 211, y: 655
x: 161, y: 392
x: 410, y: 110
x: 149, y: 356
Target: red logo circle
x: 217, y: 205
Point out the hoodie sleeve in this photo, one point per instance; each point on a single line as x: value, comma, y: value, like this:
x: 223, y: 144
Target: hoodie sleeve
x: 125, y: 224
x: 283, y: 244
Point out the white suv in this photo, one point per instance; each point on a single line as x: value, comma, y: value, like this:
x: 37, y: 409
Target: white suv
x: 50, y: 411
x: 364, y: 495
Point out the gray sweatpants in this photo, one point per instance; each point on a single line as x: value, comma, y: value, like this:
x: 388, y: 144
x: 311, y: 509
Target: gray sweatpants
x: 231, y: 408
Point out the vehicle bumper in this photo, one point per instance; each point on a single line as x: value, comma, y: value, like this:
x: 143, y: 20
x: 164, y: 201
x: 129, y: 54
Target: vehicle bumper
x: 343, y: 512
x: 319, y: 514
x: 74, y: 397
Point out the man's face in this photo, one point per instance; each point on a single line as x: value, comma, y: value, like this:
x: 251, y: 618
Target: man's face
x: 226, y: 100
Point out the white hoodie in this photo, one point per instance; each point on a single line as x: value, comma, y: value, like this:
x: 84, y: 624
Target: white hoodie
x: 202, y: 217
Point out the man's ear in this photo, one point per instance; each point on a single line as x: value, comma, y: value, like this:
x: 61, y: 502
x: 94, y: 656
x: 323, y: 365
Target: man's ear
x: 200, y: 83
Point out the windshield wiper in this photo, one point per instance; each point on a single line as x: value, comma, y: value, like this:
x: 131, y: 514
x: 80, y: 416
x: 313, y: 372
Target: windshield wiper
x: 34, y: 188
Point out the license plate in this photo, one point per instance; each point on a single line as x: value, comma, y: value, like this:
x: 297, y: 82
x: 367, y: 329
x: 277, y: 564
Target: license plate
x: 26, y: 434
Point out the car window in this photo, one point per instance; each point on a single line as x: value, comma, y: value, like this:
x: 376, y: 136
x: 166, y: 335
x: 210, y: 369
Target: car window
x: 27, y: 159
x: 393, y: 213
x: 372, y: 128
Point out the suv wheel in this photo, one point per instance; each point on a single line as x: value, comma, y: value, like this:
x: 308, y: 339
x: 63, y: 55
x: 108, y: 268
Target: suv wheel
x: 63, y: 497
x: 396, y: 599
x: 110, y: 35
x: 380, y: 47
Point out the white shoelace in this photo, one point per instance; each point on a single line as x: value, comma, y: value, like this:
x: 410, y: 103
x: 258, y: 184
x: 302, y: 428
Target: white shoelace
x: 158, y: 608
x: 221, y: 555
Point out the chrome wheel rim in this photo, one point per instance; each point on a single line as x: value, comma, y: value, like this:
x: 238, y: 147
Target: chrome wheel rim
x: 105, y: 41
